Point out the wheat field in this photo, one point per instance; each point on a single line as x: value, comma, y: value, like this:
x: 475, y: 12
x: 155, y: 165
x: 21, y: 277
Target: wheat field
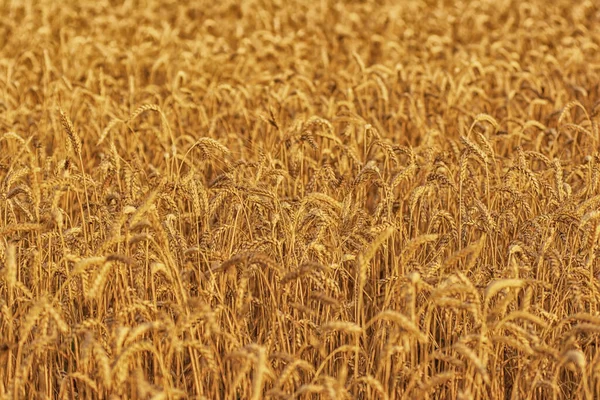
x: 299, y: 199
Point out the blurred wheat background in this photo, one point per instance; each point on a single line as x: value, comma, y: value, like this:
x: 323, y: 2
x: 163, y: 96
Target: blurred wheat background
x: 299, y: 199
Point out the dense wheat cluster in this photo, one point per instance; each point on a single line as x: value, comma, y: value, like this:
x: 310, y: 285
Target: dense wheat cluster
x: 299, y: 199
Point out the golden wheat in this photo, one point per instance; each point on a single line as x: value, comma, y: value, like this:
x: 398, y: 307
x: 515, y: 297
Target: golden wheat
x: 301, y: 199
